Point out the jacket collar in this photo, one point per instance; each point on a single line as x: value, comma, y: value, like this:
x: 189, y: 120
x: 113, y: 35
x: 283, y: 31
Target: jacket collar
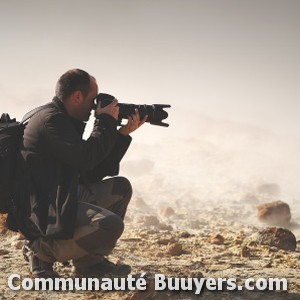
x: 58, y: 103
x: 79, y: 125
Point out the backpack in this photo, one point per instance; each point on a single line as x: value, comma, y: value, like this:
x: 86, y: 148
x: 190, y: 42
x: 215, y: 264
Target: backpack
x: 11, y: 134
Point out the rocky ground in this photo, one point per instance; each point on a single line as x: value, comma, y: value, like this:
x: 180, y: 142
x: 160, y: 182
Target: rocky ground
x: 216, y: 241
x: 194, y: 212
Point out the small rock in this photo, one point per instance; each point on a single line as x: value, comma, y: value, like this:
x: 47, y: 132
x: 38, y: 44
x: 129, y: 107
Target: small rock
x: 160, y: 254
x: 268, y: 265
x: 167, y: 212
x: 3, y: 251
x: 239, y: 239
x: 149, y: 220
x: 245, y: 252
x: 278, y: 237
x: 174, y: 249
x: 275, y: 213
x: 164, y: 226
x: 216, y: 239
x: 196, y: 274
x: 184, y: 234
x: 139, y: 203
x: 149, y: 293
x: 20, y: 236
x: 166, y: 241
x: 18, y: 244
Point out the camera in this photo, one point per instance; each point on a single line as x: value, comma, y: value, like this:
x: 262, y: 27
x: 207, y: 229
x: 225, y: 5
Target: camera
x: 155, y: 112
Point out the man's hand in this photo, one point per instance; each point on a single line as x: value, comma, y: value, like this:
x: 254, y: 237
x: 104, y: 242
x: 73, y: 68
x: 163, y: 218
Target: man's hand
x: 133, y: 123
x: 111, y: 109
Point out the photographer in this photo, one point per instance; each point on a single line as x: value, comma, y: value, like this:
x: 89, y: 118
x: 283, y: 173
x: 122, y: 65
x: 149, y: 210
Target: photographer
x: 65, y: 208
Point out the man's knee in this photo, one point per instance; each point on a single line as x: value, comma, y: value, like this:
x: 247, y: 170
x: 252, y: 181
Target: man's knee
x: 113, y: 224
x: 122, y: 187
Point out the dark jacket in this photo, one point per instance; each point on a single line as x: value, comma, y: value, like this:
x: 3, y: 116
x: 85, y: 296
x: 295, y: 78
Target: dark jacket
x: 53, y: 160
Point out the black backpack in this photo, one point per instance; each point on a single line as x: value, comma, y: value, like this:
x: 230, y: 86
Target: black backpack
x: 11, y: 134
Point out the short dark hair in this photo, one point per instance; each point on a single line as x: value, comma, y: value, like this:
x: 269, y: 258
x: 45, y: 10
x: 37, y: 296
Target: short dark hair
x: 71, y: 81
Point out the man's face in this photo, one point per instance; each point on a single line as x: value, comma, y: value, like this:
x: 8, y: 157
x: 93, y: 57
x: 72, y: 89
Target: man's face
x: 87, y: 104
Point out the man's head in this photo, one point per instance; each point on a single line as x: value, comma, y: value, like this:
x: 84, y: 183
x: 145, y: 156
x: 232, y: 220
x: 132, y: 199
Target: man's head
x: 77, y: 90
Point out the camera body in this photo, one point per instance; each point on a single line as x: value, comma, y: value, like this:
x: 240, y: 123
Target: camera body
x: 155, y: 112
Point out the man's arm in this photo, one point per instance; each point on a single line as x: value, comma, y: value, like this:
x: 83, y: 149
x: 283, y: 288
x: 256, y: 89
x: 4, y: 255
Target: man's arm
x: 110, y: 166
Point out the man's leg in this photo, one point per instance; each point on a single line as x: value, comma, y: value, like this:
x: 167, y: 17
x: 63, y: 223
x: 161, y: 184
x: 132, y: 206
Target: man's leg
x: 97, y: 229
x: 113, y: 194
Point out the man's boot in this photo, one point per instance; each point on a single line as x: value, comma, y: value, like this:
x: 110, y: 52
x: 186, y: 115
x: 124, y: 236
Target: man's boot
x: 38, y: 267
x: 102, y: 268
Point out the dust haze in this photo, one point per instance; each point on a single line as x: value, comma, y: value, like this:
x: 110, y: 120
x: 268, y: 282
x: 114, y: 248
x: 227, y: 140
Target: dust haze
x: 201, y: 161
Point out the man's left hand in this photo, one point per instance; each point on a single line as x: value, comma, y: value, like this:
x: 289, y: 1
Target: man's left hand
x: 133, y: 123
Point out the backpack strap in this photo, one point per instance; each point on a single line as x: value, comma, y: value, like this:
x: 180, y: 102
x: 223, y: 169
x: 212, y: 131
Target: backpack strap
x: 28, y: 115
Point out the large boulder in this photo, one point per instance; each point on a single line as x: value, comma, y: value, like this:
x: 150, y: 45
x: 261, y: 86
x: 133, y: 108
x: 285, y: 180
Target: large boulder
x: 275, y: 213
x: 277, y: 237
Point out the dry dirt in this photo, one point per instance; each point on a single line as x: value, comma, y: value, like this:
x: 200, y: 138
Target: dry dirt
x: 209, y: 242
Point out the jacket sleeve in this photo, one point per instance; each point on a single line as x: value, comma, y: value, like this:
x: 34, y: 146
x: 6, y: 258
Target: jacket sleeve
x: 110, y: 166
x: 63, y: 142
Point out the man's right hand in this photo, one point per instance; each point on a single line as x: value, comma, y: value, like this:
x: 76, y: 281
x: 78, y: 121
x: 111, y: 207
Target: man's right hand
x: 111, y: 109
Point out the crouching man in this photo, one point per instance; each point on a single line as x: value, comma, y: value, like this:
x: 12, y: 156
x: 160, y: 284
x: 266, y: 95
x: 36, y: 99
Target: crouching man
x: 64, y: 207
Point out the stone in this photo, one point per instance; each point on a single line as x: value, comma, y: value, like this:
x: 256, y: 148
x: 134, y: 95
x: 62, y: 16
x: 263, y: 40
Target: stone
x: 245, y: 252
x: 18, y: 244
x: 139, y: 203
x: 278, y: 237
x: 149, y: 220
x: 164, y: 226
x: 275, y: 213
x: 216, y: 239
x: 174, y: 249
x: 196, y: 274
x: 3, y: 251
x: 167, y: 212
x: 184, y: 234
x: 166, y: 241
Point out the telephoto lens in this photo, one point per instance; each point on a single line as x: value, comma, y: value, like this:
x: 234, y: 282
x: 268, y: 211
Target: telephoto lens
x: 155, y: 112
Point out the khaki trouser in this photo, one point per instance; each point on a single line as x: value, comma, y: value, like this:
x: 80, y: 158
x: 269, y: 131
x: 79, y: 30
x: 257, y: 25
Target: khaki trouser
x: 99, y: 224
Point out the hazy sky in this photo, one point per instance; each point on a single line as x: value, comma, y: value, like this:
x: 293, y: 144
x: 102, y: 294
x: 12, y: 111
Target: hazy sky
x: 231, y: 59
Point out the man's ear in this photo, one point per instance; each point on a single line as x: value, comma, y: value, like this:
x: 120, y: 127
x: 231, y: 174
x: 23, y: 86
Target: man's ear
x: 77, y: 97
